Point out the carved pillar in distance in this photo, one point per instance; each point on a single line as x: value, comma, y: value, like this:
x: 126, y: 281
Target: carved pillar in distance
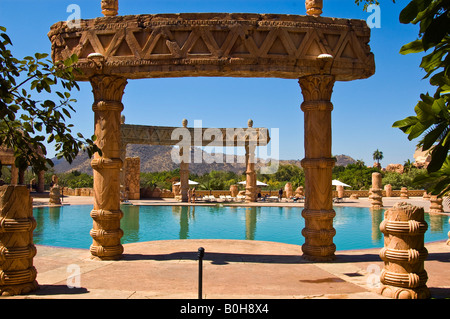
x: 40, y: 182
x: 250, y: 185
x: 318, y: 165
x: 377, y: 193
x: 250, y: 146
x: 106, y: 233
x: 185, y: 156
x: 17, y: 273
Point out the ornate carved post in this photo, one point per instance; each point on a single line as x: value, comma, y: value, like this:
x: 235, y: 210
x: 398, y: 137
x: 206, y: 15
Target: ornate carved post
x: 376, y: 197
x: 436, y: 205
x: 314, y: 7
x: 318, y: 165
x: 184, y: 167
x: 110, y: 7
x: 17, y: 273
x: 404, y: 193
x: 250, y: 186
x: 106, y: 233
x: 404, y: 253
x: 388, y: 189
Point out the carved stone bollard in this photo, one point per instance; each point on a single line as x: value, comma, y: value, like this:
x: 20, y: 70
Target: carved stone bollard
x: 234, y: 190
x: 404, y: 193
x: 377, y: 193
x: 436, y: 205
x: 404, y: 253
x: 288, y: 190
x: 388, y: 190
x: 55, y: 196
x: 17, y: 273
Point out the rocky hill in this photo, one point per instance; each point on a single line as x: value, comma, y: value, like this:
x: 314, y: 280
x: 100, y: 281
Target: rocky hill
x: 155, y: 158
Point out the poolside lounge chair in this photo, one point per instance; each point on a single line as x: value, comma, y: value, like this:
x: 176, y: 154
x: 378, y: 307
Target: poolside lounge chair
x: 338, y: 200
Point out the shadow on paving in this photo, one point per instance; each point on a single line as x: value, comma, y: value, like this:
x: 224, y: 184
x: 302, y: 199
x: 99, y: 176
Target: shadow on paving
x: 220, y: 258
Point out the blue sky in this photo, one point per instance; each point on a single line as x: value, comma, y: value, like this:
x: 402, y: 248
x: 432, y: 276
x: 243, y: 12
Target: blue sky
x: 364, y: 110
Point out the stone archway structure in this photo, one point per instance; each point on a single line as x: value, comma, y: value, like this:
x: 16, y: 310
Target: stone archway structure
x: 315, y: 50
x: 248, y: 137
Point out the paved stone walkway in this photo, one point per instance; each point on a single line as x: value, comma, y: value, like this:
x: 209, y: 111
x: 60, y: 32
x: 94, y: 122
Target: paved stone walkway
x: 233, y: 269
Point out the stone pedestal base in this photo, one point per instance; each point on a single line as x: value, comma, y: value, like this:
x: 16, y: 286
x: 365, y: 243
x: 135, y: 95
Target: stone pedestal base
x: 17, y: 273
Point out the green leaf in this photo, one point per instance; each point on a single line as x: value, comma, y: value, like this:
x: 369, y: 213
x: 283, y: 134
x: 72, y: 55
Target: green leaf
x: 409, y: 13
x: 412, y: 47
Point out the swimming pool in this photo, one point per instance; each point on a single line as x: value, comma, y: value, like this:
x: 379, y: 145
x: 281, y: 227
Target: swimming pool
x: 356, y: 228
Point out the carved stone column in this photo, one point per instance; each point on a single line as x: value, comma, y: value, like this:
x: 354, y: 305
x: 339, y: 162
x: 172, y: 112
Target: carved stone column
x: 250, y: 185
x: 17, y: 273
x: 318, y: 165
x: 106, y: 233
x: 377, y: 193
x: 436, y: 205
x: 184, y: 181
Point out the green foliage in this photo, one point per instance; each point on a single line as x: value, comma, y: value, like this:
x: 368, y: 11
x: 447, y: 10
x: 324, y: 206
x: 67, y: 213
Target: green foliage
x: 404, y: 180
x: 431, y: 124
x: 75, y: 179
x: 26, y: 122
x: 356, y: 175
x: 378, y: 156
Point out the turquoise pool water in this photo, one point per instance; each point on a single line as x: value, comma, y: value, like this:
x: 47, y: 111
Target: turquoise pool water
x: 356, y: 228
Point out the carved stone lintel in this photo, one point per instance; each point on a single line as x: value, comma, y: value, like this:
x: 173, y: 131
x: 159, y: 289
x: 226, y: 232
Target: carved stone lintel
x: 106, y: 233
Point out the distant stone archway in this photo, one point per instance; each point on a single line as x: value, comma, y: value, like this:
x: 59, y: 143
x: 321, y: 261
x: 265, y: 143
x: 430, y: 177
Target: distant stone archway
x: 317, y: 51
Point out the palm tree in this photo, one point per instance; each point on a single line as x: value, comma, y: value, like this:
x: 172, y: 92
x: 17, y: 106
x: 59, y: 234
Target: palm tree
x: 378, y: 156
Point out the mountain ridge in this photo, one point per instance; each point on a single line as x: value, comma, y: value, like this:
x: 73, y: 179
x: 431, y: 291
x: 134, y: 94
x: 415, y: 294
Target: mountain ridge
x: 157, y: 158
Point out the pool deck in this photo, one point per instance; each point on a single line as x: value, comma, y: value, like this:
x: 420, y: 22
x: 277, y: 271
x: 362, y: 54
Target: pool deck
x: 232, y: 269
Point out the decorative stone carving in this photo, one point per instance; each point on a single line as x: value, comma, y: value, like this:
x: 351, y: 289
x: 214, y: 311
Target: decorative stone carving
x: 426, y: 196
x: 404, y: 253
x: 436, y: 205
x: 217, y: 44
x: 17, y: 273
x: 110, y: 7
x: 234, y: 190
x: 404, y: 193
x: 55, y: 192
x: 106, y: 233
x: 314, y: 7
x: 340, y: 191
x: 388, y: 190
x: 251, y: 191
x: 376, y: 196
x: 299, y: 192
x: 318, y: 165
x: 288, y: 190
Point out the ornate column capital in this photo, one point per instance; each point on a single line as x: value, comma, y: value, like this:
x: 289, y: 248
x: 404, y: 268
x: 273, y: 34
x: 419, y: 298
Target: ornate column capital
x: 108, y: 88
x: 317, y: 87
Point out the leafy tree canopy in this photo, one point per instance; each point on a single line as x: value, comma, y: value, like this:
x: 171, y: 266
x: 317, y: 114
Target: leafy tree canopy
x: 27, y: 121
